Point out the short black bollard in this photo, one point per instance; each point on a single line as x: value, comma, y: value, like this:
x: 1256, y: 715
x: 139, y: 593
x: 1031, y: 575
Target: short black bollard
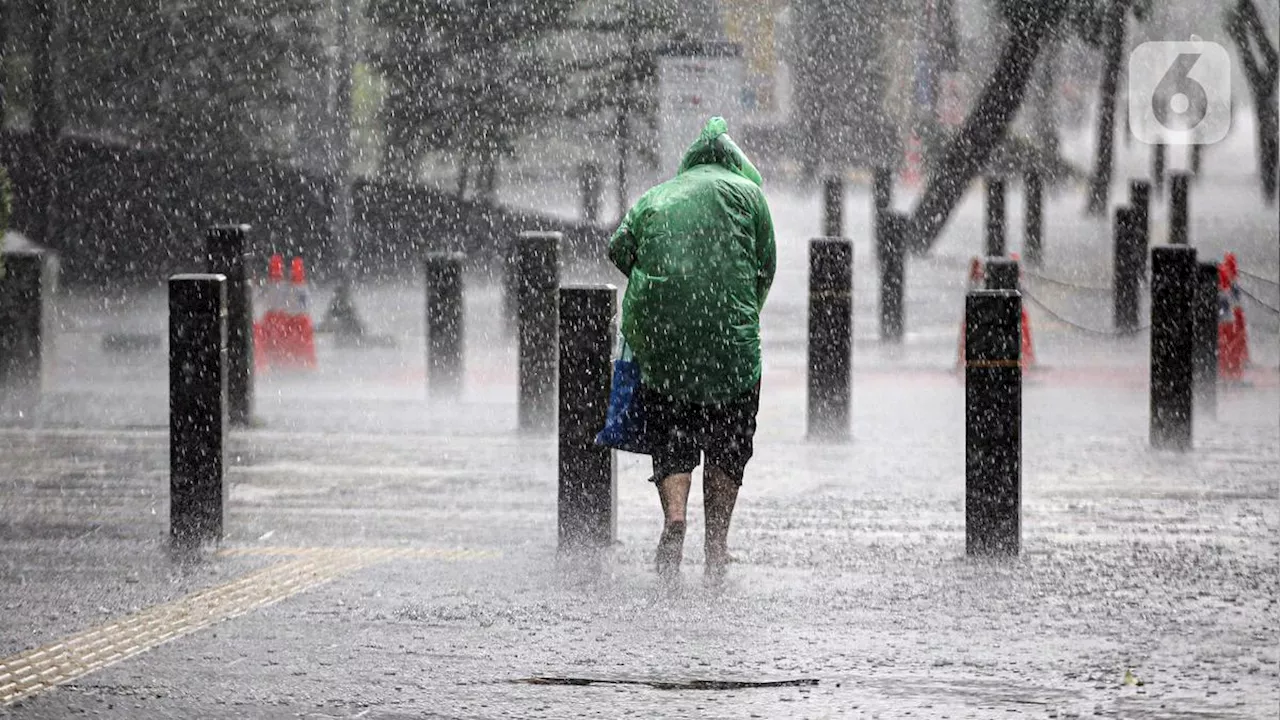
x: 1178, y: 210
x: 891, y: 255
x: 198, y: 374
x: 1173, y: 283
x: 833, y: 206
x: 1002, y: 274
x: 830, y: 336
x: 1195, y: 162
x: 226, y: 247
x: 588, y: 487
x: 1157, y: 168
x: 1033, y: 217
x: 444, y: 324
x: 537, y: 280
x: 589, y: 186
x: 993, y: 423
x: 995, y: 236
x: 881, y: 196
x: 27, y: 286
x: 1127, y: 260
x: 1205, y: 365
x: 1140, y: 201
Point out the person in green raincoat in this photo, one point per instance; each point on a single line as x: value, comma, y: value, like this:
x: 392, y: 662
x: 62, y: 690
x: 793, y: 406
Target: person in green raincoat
x: 699, y: 255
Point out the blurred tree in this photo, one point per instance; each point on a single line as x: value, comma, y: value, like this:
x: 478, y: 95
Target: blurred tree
x: 1246, y: 28
x: 48, y: 115
x: 1102, y: 24
x: 6, y: 207
x: 6, y: 20
x: 616, y: 67
x: 467, y: 77
x: 207, y: 79
x: 1031, y: 23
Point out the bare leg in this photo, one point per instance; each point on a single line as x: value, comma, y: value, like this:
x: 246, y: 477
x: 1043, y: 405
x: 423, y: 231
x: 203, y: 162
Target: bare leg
x: 673, y: 491
x: 720, y: 494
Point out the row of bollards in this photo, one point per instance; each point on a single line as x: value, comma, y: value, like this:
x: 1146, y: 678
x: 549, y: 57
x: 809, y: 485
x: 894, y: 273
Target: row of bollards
x: 571, y: 329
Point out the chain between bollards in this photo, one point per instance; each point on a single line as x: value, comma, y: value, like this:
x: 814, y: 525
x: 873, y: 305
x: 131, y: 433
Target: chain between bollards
x: 830, y: 337
x: 993, y: 422
x: 588, y: 481
x: 444, y: 324
x: 198, y: 409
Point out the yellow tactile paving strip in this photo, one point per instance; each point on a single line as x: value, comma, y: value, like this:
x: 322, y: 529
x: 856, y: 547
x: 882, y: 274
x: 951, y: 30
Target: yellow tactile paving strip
x: 31, y: 672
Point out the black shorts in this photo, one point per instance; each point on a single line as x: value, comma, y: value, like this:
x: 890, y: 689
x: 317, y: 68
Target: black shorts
x: 677, y: 431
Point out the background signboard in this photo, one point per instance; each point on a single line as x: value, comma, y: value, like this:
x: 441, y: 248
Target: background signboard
x: 695, y: 83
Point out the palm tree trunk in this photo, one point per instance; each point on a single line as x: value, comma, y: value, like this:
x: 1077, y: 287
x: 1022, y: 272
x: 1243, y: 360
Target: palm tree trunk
x: 967, y: 152
x: 1104, y: 153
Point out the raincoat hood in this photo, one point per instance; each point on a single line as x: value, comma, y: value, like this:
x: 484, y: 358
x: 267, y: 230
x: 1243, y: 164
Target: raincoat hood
x: 715, y: 147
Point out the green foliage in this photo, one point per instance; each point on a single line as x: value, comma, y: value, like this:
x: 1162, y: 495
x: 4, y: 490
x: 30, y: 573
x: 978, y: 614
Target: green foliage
x: 465, y: 76
x: 206, y: 78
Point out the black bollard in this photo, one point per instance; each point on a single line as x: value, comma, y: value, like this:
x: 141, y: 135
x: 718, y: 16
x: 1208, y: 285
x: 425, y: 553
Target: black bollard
x: 588, y: 487
x: 1205, y: 364
x: 995, y: 239
x: 830, y: 336
x: 28, y: 283
x: 1178, y: 210
x: 1127, y: 259
x: 198, y: 378
x: 1033, y: 216
x: 444, y: 324
x: 881, y: 196
x: 589, y: 186
x: 993, y: 422
x: 1157, y: 168
x: 537, y: 279
x: 1002, y: 274
x: 891, y: 255
x: 1140, y: 201
x: 1195, y: 162
x: 226, y: 248
x: 833, y: 206
x: 1173, y: 282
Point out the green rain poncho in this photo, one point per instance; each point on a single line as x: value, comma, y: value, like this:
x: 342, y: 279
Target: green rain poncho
x: 699, y: 254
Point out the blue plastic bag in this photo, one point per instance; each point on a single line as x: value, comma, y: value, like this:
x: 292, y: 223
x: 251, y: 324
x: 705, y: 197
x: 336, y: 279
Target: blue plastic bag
x: 624, y: 426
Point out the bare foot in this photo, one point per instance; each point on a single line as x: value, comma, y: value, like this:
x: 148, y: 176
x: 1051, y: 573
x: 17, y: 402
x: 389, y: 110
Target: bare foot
x: 670, y: 549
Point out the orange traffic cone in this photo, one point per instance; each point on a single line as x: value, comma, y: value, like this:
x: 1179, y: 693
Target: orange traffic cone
x: 976, y: 276
x: 298, y: 347
x: 1233, y: 333
x: 1028, y: 345
x: 267, y: 331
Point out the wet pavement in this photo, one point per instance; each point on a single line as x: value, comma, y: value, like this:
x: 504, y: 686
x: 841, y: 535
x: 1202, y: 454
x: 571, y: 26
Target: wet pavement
x: 1162, y: 568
